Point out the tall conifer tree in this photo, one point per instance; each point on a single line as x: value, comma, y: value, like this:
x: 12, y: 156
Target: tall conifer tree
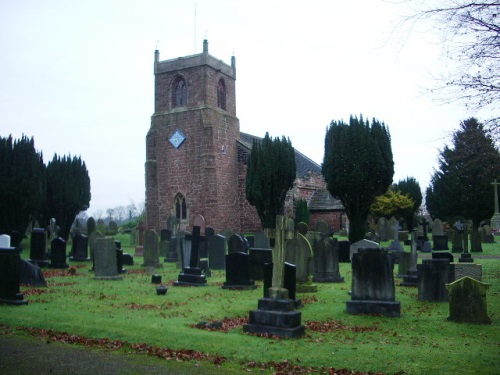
x: 358, y: 167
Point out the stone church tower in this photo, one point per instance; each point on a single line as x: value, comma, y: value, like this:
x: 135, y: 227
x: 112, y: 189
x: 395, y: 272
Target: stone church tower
x: 191, y: 146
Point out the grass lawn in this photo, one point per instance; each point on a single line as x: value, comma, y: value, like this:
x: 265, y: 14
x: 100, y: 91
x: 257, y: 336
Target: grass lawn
x: 128, y: 315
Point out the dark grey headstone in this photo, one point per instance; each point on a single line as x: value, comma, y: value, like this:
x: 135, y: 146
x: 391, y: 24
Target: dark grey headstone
x: 289, y: 282
x: 433, y: 275
x: 236, y: 244
x: 217, y: 251
x: 259, y: 257
x: 79, y: 248
x: 31, y: 274
x: 326, y: 261
x: 238, y: 272
x: 10, y: 292
x: 58, y: 253
x: 38, y: 247
x: 344, y: 251
x: 373, y: 290
x: 440, y: 242
x: 105, y: 267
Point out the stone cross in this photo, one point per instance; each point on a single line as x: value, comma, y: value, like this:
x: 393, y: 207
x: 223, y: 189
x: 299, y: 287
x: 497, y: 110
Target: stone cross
x: 425, y: 225
x: 280, y: 235
x: 196, y: 240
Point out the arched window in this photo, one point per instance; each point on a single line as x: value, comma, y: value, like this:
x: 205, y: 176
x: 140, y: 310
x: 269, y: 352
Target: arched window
x: 179, y: 92
x: 221, y: 94
x: 180, y: 208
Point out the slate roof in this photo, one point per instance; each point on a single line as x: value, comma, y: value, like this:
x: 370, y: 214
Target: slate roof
x: 304, y: 164
x: 322, y: 200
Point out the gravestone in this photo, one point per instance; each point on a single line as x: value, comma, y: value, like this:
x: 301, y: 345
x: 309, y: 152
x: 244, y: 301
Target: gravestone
x: 344, y: 251
x: 495, y: 219
x: 91, y: 238
x: 394, y: 227
x: 383, y: 229
x: 425, y: 245
x: 91, y: 225
x: 236, y: 244
x: 31, y: 274
x: 79, y: 248
x: 120, y: 257
x: 445, y: 255
x: 250, y: 240
x: 261, y: 241
x: 165, y: 236
x: 258, y: 258
x: 4, y: 241
x: 302, y: 228
x: 437, y: 227
x: 10, y: 292
x: 38, y: 247
x: 127, y: 259
x: 151, y: 253
x: 457, y: 241
x: 58, y: 253
x: 105, y: 267
x: 373, y: 291
x: 217, y: 251
x: 466, y: 256
x: 411, y: 277
x: 139, y: 249
x: 298, y: 251
x: 289, y: 281
x: 193, y: 275
x: 404, y: 263
x: 486, y: 233
x: 53, y: 230
x: 322, y: 227
x: 362, y: 244
x: 238, y: 272
x: 468, y: 301
x: 276, y: 313
x: 326, y: 259
x: 433, y: 275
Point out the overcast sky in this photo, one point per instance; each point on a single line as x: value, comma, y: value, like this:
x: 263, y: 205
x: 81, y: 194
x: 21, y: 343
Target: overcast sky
x: 78, y: 77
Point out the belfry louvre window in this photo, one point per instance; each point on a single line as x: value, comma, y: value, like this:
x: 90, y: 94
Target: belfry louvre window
x: 179, y: 92
x: 180, y: 208
x: 221, y: 94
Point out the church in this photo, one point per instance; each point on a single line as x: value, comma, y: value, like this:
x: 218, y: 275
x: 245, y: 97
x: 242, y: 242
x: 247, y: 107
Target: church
x: 196, y: 155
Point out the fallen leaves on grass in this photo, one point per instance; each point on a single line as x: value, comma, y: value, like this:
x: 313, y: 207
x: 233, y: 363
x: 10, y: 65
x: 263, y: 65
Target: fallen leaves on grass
x: 35, y: 291
x: 285, y: 367
x: 333, y: 325
x: 164, y: 306
x: 309, y: 299
x: 140, y: 348
x: 223, y: 325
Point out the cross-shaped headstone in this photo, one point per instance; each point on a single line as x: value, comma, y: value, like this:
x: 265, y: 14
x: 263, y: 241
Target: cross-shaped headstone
x: 196, y: 240
x: 280, y: 235
x: 425, y: 224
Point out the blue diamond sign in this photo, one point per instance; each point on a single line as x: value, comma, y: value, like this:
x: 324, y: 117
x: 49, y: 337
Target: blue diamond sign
x: 177, y: 138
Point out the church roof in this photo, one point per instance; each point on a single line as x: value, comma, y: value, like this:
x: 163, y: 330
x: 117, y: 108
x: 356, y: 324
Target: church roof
x: 322, y: 200
x: 303, y: 163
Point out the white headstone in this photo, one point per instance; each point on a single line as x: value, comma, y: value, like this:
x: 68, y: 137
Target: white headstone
x: 363, y: 244
x: 4, y: 241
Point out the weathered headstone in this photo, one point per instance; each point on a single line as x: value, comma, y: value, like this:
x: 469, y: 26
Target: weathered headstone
x: 105, y: 260
x: 79, y: 248
x: 289, y: 281
x: 38, y: 247
x: 383, y: 229
x: 425, y: 245
x: 151, y: 253
x: 4, y: 241
x: 466, y: 256
x: 217, y: 251
x: 165, y: 236
x: 322, y: 227
x: 236, y: 244
x: 457, y: 239
x: 10, y: 292
x: 394, y: 227
x: 58, y: 253
x: 302, y: 228
x: 486, y: 233
x: 468, y: 301
x: 411, y: 277
x: 373, y: 290
x: 31, y: 274
x: 119, y: 257
x: 433, y: 275
x: 276, y: 313
x: 238, y: 272
x: 362, y: 244
x: 53, y: 230
x: 139, y: 249
x: 326, y: 259
x: 437, y: 227
x: 261, y: 241
x: 404, y: 263
x: 298, y: 251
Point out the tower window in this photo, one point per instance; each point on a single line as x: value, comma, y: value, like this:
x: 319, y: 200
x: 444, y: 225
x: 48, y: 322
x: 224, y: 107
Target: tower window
x: 180, y: 208
x: 221, y: 94
x: 179, y: 92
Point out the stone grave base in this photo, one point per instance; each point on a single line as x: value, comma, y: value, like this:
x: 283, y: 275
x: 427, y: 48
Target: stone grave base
x: 410, y: 279
x: 79, y: 259
x: 465, y: 258
x: 191, y: 277
x: 250, y: 286
x: 328, y: 279
x: 385, y: 308
x: 128, y: 259
x: 306, y: 288
x: 16, y: 301
x: 39, y: 263
x: 116, y: 277
x: 275, y: 317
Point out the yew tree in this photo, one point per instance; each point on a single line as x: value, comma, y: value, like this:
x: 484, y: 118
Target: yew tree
x: 357, y: 166
x: 271, y: 171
